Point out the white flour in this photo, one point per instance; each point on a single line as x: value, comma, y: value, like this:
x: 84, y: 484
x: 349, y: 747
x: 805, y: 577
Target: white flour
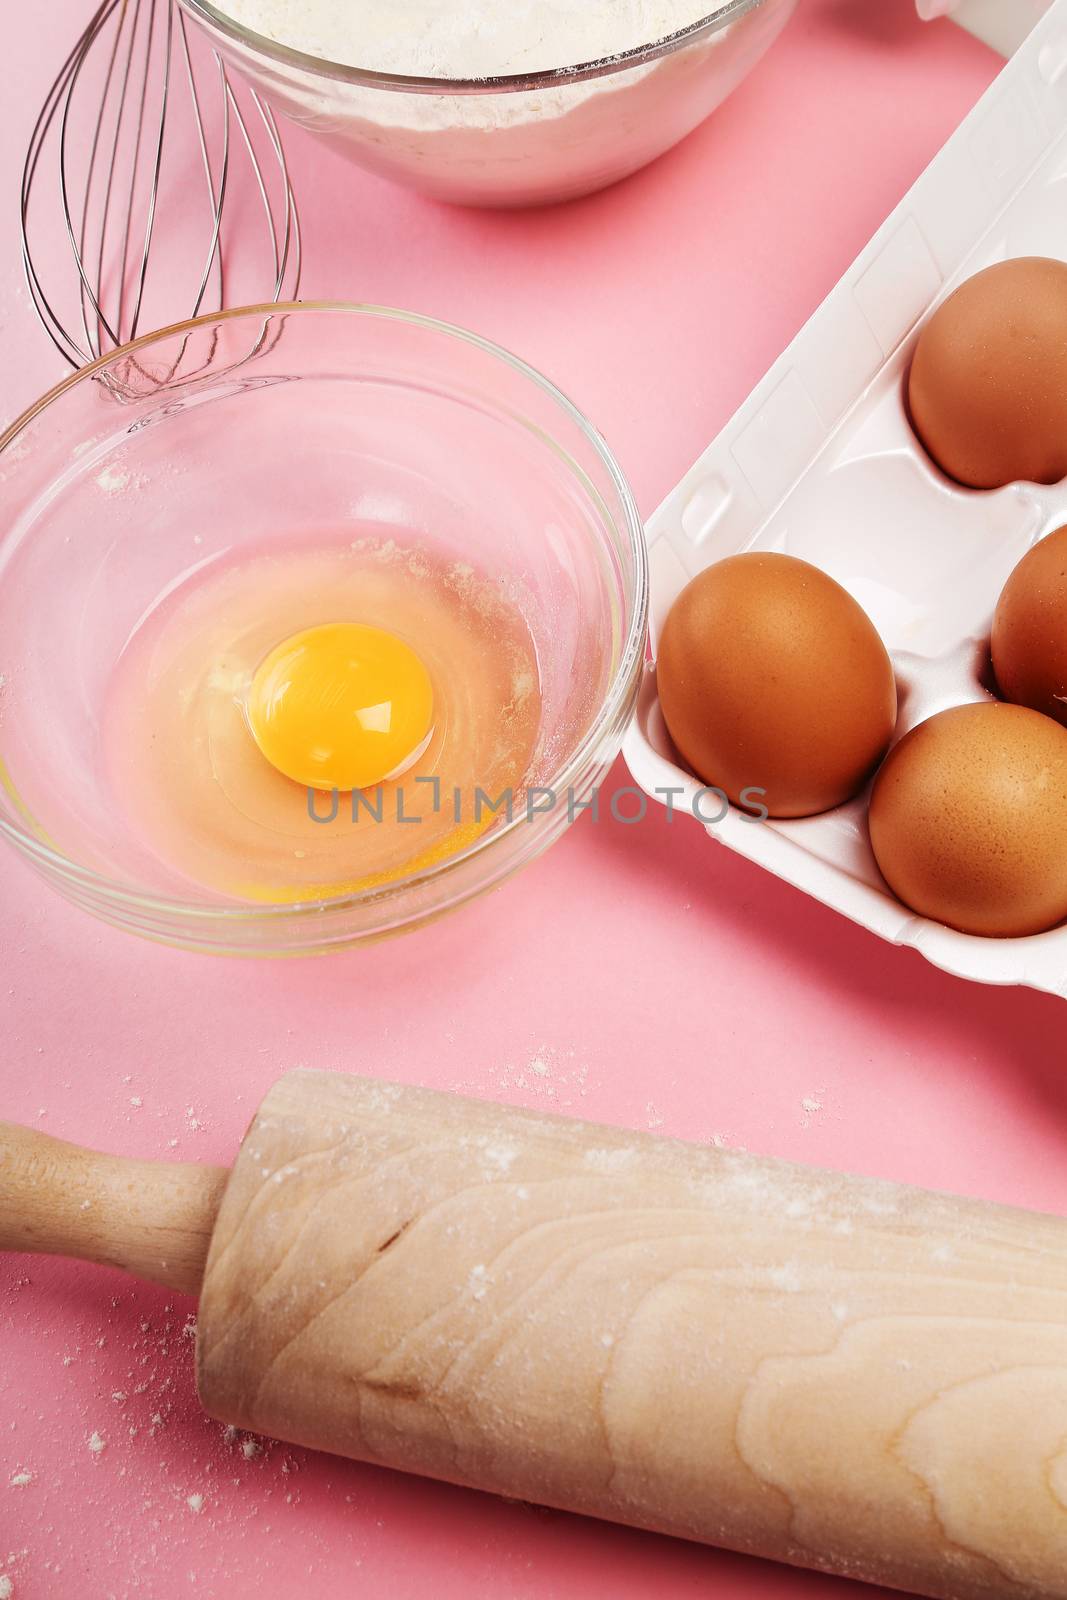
x: 512, y: 146
x: 516, y: 146
x: 466, y: 38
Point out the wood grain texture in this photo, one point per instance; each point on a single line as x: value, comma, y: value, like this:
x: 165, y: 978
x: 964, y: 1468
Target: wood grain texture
x: 151, y: 1218
x: 830, y: 1371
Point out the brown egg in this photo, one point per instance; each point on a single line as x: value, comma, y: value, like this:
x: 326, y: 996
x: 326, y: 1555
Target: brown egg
x: 1029, y: 643
x: 968, y: 820
x: 773, y: 679
x: 987, y: 389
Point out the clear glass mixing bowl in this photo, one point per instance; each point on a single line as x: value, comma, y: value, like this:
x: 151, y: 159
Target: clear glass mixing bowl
x: 261, y: 427
x: 511, y: 141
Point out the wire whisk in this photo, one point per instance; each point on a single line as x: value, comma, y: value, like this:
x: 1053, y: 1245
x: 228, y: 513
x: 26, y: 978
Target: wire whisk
x: 143, y: 119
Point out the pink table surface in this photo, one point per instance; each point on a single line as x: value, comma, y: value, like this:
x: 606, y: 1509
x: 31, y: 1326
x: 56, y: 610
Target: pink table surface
x: 656, y: 982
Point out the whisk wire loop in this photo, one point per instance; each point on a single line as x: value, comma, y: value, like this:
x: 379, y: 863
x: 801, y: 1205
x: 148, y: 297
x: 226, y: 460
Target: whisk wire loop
x: 139, y: 102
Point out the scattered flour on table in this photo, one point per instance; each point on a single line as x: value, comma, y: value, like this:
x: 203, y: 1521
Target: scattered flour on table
x: 552, y: 1079
x: 810, y: 1106
x: 158, y: 1474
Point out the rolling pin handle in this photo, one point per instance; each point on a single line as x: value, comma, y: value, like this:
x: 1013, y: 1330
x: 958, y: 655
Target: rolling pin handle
x: 150, y: 1218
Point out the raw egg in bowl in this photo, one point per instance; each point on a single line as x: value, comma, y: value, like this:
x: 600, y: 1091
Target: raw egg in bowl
x: 315, y: 622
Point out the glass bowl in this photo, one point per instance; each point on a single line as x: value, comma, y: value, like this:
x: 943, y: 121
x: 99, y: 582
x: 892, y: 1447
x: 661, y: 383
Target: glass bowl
x: 511, y: 141
x: 253, y: 429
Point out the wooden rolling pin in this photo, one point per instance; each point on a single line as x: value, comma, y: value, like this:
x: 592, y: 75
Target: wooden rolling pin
x: 835, y: 1372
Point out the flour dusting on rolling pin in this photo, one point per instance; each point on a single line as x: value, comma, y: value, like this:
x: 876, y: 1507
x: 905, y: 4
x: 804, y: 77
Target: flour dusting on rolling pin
x: 827, y: 1370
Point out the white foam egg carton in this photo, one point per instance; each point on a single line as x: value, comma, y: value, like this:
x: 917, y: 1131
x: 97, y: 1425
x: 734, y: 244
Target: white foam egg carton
x: 821, y: 462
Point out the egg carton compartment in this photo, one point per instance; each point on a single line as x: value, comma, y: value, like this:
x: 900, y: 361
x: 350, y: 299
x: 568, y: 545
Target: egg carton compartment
x: 869, y: 516
x: 821, y: 462
x: 1002, y: 24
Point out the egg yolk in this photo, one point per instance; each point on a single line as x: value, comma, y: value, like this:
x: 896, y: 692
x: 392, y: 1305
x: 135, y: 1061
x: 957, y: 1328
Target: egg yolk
x: 341, y: 706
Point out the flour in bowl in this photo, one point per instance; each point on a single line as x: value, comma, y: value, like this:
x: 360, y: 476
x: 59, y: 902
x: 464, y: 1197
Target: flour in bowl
x: 503, y: 146
x: 466, y: 38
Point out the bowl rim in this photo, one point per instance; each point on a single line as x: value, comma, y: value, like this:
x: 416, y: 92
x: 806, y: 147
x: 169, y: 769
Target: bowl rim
x: 506, y: 83
x: 622, y: 688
